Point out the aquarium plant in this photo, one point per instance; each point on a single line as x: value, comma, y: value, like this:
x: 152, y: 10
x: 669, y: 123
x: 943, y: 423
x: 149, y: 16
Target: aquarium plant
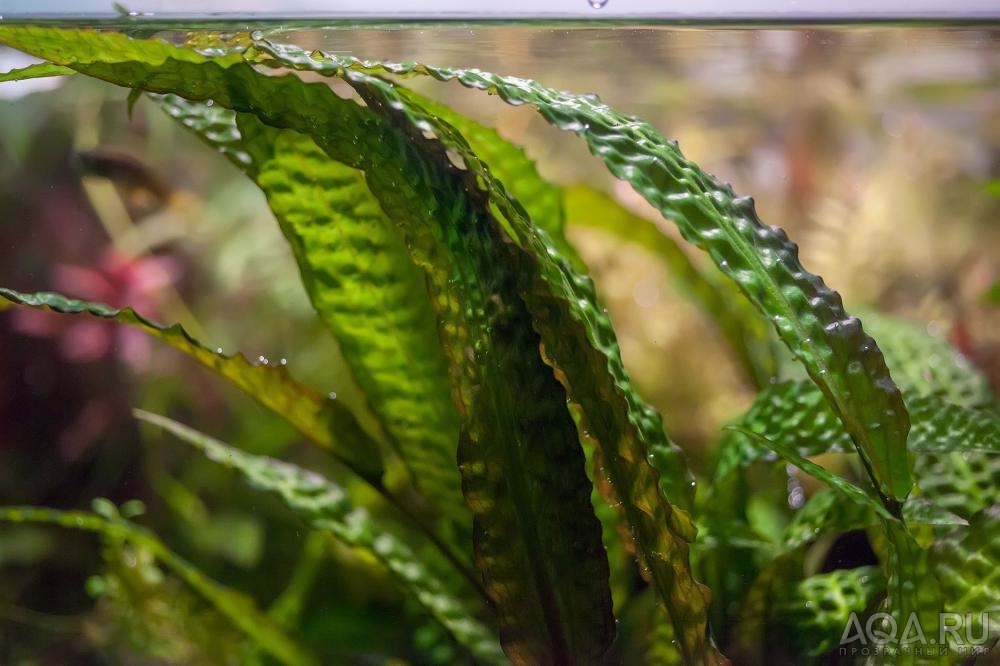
x: 502, y: 468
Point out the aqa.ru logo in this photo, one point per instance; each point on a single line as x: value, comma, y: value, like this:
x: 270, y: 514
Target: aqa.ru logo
x: 955, y: 634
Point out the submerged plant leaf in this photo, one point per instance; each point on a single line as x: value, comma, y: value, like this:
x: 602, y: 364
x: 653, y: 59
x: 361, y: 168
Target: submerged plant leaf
x: 38, y: 70
x: 843, y: 361
x: 836, y: 483
x: 961, y: 482
x: 813, y: 612
x: 360, y: 280
x: 926, y: 364
x: 523, y: 474
x: 463, y: 252
x: 830, y: 512
x: 236, y: 607
x: 967, y: 564
x: 579, y: 344
x: 542, y: 201
x: 325, y: 505
x: 719, y: 300
x: 795, y: 413
x: 324, y: 421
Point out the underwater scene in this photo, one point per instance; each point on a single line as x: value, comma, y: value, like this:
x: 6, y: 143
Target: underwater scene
x: 455, y: 342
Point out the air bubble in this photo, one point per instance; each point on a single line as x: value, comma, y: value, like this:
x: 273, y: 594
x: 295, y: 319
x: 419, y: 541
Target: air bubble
x: 332, y: 395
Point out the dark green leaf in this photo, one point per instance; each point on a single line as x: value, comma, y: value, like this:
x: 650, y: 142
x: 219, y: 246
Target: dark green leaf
x: 325, y: 505
x: 796, y: 413
x: 923, y: 363
x: 326, y: 422
x: 360, y: 280
x: 836, y: 483
x: 840, y: 358
x: 238, y: 608
x: 579, y: 343
x: 541, y: 201
x: 814, y: 611
x: 967, y: 564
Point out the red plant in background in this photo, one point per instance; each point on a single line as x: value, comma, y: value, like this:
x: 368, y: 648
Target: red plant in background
x: 116, y: 280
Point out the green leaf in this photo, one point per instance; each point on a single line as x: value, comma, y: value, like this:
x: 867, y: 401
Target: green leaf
x: 719, y: 300
x: 961, y: 482
x: 967, y: 564
x: 542, y: 202
x: 840, y: 358
x: 836, y: 483
x: 795, y: 413
x: 324, y: 421
x: 910, y: 587
x: 326, y: 506
x: 923, y: 363
x: 359, y: 277
x: 826, y: 512
x: 447, y: 236
x: 830, y: 512
x: 238, y: 608
x: 579, y: 344
x: 523, y: 477
x: 813, y: 612
x: 37, y: 71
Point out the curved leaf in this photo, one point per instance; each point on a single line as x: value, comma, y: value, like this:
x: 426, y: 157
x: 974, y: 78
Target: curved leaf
x: 323, y: 420
x: 361, y: 282
x: 738, y: 324
x: 967, y: 564
x: 926, y: 364
x: 326, y: 506
x: 843, y: 361
x: 238, y: 608
x: 541, y: 201
x: 523, y: 476
x: 814, y: 611
x: 795, y: 413
x: 829, y: 512
x: 579, y: 344
x: 38, y: 70
x: 836, y: 483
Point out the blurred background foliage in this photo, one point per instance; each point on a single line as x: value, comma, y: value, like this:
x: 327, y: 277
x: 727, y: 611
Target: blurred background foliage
x: 878, y: 149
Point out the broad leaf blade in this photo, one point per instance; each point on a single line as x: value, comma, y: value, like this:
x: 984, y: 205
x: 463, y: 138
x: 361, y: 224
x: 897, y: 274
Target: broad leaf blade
x: 542, y: 201
x: 927, y: 364
x: 796, y: 413
x: 522, y: 464
x: 326, y: 506
x: 836, y: 483
x: 967, y: 564
x: 579, y: 344
x: 360, y: 280
x: 813, y: 612
x: 843, y: 361
x: 323, y: 420
x: 238, y: 608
